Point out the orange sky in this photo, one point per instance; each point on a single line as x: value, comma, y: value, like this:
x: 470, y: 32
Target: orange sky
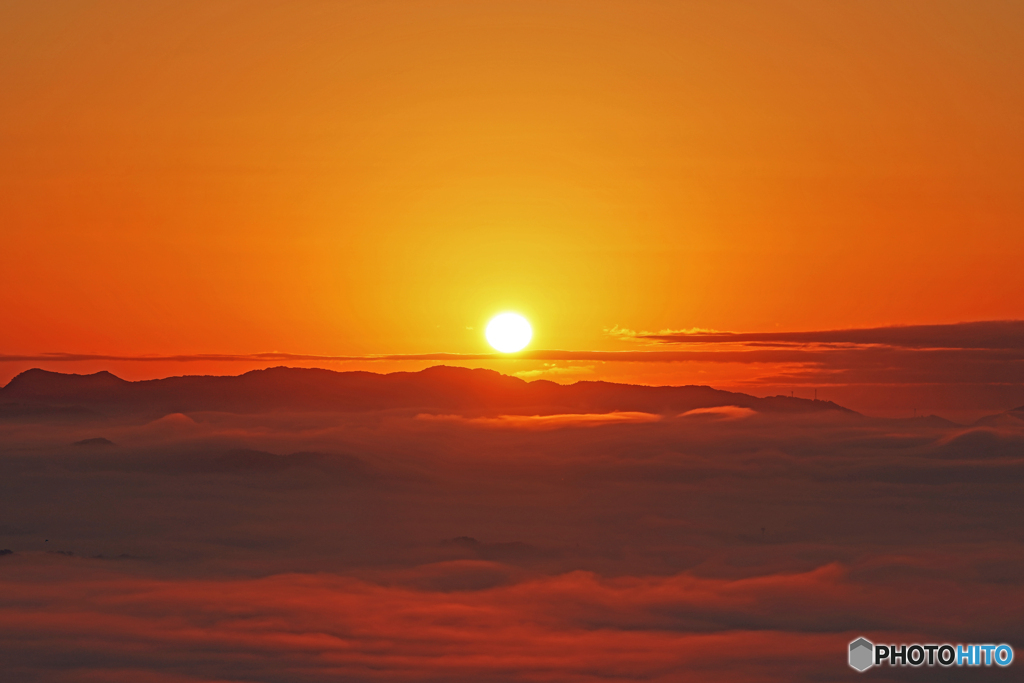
x: 363, y: 178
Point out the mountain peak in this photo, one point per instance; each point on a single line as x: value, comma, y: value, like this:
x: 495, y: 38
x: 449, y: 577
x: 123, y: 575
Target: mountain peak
x: 37, y: 380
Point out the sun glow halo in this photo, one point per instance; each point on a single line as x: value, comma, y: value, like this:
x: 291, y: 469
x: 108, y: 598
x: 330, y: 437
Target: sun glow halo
x: 508, y: 332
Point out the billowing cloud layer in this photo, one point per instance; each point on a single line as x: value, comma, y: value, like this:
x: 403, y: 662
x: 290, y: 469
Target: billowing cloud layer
x: 382, y: 546
x: 569, y: 627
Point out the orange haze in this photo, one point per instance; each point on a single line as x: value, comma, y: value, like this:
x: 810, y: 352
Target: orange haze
x: 368, y: 178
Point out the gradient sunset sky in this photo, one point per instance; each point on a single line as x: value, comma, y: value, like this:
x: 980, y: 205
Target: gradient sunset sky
x: 813, y: 210
x: 349, y: 179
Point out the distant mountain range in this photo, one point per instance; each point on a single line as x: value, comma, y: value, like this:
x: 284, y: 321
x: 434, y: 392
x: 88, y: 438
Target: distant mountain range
x: 441, y: 388
x: 1011, y: 418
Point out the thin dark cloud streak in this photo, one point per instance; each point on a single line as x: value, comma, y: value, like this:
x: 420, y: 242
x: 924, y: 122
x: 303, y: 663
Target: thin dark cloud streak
x: 1006, y: 336
x: 808, y: 354
x: 632, y: 356
x: 60, y: 356
x: 991, y: 334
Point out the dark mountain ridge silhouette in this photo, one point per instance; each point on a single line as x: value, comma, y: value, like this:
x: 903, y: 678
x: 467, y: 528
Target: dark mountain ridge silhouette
x: 1009, y: 418
x: 436, y: 388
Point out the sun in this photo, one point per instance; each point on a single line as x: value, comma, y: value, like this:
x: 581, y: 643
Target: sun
x: 508, y: 332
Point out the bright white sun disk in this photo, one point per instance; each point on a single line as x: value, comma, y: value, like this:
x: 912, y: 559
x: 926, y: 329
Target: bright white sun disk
x: 508, y: 332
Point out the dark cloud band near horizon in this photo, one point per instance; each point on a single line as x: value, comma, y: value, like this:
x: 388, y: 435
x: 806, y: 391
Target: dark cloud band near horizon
x: 990, y: 352
x: 757, y: 347
x: 981, y: 375
x: 988, y: 334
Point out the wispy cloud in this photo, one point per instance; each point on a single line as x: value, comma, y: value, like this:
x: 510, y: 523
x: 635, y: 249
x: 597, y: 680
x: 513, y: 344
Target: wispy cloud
x: 547, y: 422
x: 721, y: 412
x: 986, y: 352
x: 626, y: 333
x: 553, y: 370
x: 993, y: 334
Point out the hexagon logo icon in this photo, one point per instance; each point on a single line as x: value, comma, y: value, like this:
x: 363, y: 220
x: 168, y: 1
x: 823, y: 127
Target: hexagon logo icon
x: 861, y: 654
